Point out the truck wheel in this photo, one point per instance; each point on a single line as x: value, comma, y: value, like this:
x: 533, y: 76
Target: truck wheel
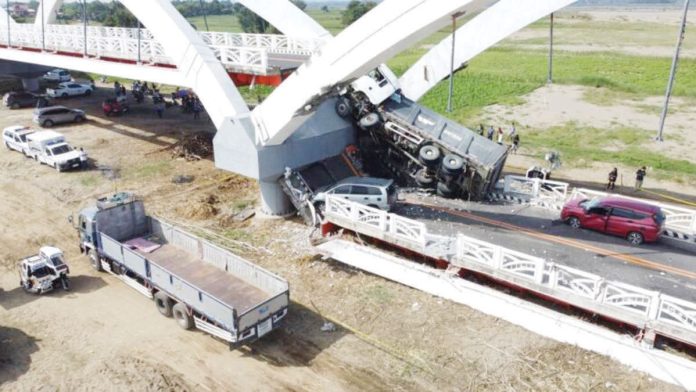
x: 64, y: 95
x: 79, y: 119
x: 7, y: 145
x: 445, y: 190
x: 369, y: 121
x: 48, y: 123
x: 88, y: 93
x: 163, y: 304
x: 423, y: 179
x: 429, y: 155
x: 57, y: 167
x: 182, y: 317
x: 94, y: 260
x: 452, y: 164
x: 343, y: 107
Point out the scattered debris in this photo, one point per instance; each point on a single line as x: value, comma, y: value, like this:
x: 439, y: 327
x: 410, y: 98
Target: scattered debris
x: 109, y: 172
x: 328, y: 327
x: 244, y: 214
x: 194, y: 147
x: 182, y: 179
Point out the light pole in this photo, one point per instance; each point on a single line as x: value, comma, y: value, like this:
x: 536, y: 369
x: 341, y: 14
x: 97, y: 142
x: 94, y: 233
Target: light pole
x: 550, y: 78
x: 8, y: 24
x: 43, y: 32
x: 84, y: 23
x: 673, y: 72
x: 205, y: 17
x: 451, y: 78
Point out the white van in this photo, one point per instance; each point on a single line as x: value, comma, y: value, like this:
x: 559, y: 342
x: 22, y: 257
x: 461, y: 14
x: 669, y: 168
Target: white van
x: 15, y: 138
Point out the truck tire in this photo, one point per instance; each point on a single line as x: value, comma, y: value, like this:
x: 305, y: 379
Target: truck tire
x: 79, y: 119
x: 452, y: 164
x: 48, y: 123
x: 369, y: 120
x: 64, y: 95
x: 423, y: 179
x: 445, y: 190
x: 7, y: 145
x: 57, y: 167
x: 163, y: 304
x: 88, y: 93
x: 182, y: 317
x: 343, y: 108
x: 429, y: 156
x: 94, y: 260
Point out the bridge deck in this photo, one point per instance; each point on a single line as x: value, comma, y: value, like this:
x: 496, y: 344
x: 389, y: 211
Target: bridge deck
x: 651, y: 266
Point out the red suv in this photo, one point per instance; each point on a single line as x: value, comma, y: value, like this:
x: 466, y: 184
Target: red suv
x: 636, y: 221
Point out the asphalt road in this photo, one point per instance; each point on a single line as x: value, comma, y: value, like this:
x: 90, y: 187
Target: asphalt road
x: 538, y: 232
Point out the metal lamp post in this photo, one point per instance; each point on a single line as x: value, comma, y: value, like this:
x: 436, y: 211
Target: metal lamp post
x: 451, y: 78
x: 673, y: 72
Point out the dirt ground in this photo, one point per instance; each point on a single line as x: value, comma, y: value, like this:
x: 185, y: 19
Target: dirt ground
x: 102, y: 335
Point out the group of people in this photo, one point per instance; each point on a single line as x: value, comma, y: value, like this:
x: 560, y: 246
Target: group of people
x: 190, y: 103
x: 640, y: 176
x: 499, y: 135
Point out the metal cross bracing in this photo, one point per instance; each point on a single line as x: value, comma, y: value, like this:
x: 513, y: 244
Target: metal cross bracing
x: 237, y: 52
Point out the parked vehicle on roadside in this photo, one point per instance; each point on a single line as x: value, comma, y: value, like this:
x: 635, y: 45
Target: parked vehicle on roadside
x: 113, y: 106
x: 57, y: 75
x: 15, y: 138
x: 373, y: 192
x: 69, y: 89
x: 198, y: 283
x: 44, y: 272
x: 636, y: 221
x: 51, y: 148
x: 21, y: 99
x: 52, y: 115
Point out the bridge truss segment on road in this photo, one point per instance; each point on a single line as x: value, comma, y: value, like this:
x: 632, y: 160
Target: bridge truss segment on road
x: 648, y: 310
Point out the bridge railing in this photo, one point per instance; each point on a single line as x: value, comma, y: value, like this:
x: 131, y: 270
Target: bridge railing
x: 122, y: 43
x: 273, y: 43
x: 645, y: 309
x: 554, y: 194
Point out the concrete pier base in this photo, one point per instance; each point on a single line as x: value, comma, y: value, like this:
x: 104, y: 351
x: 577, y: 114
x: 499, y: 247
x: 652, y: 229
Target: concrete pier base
x: 274, y: 201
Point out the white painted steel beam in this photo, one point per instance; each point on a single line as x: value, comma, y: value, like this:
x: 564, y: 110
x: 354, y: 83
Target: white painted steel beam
x: 485, y: 30
x: 391, y: 27
x: 121, y: 70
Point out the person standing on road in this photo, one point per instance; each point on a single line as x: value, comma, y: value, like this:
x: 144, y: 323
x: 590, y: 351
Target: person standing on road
x: 501, y: 135
x: 117, y: 88
x: 513, y: 130
x: 515, y: 143
x: 159, y: 109
x: 481, y: 130
x: 640, y: 175
x: 491, y: 131
x: 613, y: 175
x: 196, y: 109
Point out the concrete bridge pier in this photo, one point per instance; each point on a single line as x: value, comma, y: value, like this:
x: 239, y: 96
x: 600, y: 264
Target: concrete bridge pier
x: 274, y: 201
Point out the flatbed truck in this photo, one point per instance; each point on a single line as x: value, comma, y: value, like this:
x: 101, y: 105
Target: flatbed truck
x: 197, y: 283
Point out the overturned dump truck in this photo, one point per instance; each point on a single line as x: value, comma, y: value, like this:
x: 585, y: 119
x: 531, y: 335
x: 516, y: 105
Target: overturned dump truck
x: 418, y: 147
x: 198, y: 283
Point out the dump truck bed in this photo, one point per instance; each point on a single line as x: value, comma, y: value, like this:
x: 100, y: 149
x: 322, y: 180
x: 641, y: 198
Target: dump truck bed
x: 224, y: 287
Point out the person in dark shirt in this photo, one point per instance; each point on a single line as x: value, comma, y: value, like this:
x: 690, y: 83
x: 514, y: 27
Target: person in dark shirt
x: 613, y: 175
x: 640, y: 175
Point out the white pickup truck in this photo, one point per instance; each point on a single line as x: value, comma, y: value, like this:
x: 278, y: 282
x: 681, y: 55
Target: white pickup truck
x: 44, y: 272
x: 15, y: 138
x: 69, y: 89
x: 50, y: 148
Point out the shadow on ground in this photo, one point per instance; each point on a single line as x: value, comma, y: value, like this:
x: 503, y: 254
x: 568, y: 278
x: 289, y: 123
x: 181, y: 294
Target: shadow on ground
x: 16, y: 349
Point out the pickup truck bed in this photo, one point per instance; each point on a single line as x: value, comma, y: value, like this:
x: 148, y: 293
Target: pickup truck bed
x: 224, y: 287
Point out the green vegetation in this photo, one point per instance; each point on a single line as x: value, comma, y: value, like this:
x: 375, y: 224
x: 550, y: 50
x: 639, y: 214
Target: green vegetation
x: 151, y: 169
x: 580, y: 145
x: 355, y: 10
x: 223, y: 23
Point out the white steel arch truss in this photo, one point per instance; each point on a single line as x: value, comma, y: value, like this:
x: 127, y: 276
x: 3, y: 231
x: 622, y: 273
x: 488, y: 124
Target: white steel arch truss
x: 386, y: 30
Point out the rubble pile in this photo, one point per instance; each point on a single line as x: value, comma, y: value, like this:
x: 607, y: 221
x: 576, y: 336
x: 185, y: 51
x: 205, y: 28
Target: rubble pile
x: 194, y: 147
